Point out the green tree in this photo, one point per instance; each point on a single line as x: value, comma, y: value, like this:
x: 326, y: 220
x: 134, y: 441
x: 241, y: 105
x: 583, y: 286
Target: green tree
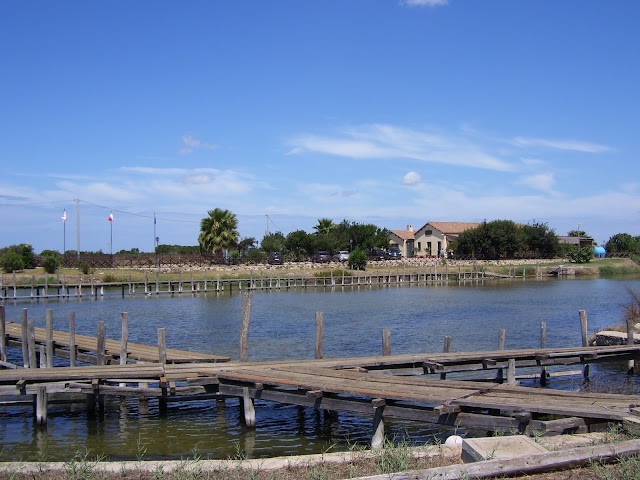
x: 579, y: 254
x: 11, y: 261
x: 324, y: 226
x: 623, y: 243
x: 299, y: 243
x: 357, y: 259
x: 273, y: 242
x: 50, y: 261
x: 218, y: 231
x: 493, y: 240
x: 245, y: 244
x: 541, y: 241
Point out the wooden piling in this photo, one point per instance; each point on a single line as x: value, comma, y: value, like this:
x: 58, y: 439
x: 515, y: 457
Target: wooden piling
x: 511, y: 372
x: 124, y: 339
x: 3, y: 336
x: 244, y: 326
x: 72, y: 339
x: 162, y: 346
x: 248, y: 408
x: 377, y: 440
x: 543, y: 344
x: 41, y: 405
x: 25, y: 339
x: 102, y: 334
x: 585, y: 341
x: 445, y: 349
x: 386, y: 342
x: 501, y: 339
x: 630, y: 340
x: 31, y: 344
x: 319, y: 334
x: 49, y: 337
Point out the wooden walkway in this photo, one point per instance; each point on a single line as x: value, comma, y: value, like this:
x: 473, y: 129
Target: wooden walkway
x: 86, y: 348
x: 360, y: 385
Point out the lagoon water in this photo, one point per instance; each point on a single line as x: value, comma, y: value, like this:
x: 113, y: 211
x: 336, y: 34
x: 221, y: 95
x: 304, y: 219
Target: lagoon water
x: 283, y: 327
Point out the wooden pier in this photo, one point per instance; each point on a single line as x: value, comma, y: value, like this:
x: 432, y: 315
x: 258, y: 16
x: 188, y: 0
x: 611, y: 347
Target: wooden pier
x: 411, y: 387
x: 264, y: 280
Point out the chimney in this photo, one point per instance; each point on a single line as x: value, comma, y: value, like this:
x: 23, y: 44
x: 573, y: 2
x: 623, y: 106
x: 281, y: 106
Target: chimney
x: 410, y: 228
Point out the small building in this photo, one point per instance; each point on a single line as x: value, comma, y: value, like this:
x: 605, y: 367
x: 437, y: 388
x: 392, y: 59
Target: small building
x: 434, y: 237
x: 403, y: 239
x: 581, y: 241
x: 599, y: 252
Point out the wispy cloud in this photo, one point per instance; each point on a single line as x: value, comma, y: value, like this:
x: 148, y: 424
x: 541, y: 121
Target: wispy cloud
x: 191, y: 144
x: 424, y: 3
x: 572, y: 145
x: 542, y: 181
x: 381, y: 141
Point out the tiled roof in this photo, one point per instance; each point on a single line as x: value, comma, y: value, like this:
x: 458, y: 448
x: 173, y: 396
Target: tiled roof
x: 405, y: 234
x: 453, y: 227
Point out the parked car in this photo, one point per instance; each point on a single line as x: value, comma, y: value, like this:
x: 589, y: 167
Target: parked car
x: 341, y: 256
x: 394, y: 252
x: 276, y: 258
x: 377, y: 255
x: 321, y: 257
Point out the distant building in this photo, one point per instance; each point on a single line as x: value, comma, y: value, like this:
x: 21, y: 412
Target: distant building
x: 582, y: 241
x: 403, y: 239
x: 434, y: 237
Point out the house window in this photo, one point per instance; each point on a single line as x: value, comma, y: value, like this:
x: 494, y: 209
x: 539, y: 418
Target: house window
x: 419, y: 246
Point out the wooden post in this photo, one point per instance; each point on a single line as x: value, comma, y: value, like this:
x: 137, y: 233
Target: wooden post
x: 49, y: 337
x: 248, y: 409
x: 501, y: 338
x: 72, y: 339
x: 319, y: 333
x: 445, y: 349
x: 124, y: 339
x: 41, y: 405
x: 101, y: 343
x: 3, y: 336
x: 585, y: 341
x: 31, y: 344
x: 511, y: 372
x: 162, y: 346
x: 244, y: 326
x: 386, y: 342
x: 25, y: 339
x: 543, y: 344
x: 630, y: 340
x: 377, y: 440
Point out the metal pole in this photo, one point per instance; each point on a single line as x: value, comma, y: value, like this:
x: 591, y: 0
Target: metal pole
x: 78, y: 224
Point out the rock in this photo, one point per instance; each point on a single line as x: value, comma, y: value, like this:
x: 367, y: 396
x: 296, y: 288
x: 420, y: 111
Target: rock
x: 611, y: 337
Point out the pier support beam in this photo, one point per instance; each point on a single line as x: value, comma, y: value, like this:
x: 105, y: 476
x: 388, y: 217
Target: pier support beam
x: 585, y: 342
x: 41, y: 405
x: 248, y: 408
x: 377, y: 440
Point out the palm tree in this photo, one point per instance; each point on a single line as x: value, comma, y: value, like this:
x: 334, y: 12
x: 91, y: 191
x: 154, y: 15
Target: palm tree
x: 218, y: 231
x: 324, y: 226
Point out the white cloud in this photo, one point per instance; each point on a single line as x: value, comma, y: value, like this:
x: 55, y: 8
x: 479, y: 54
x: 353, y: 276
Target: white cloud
x: 190, y: 144
x: 541, y: 181
x: 424, y: 3
x: 572, y: 145
x: 412, y: 178
x: 381, y: 141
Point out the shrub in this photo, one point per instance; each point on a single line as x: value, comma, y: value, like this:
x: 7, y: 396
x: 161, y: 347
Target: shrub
x: 50, y: 262
x: 11, y: 261
x: 84, y: 268
x: 579, y: 254
x: 357, y: 259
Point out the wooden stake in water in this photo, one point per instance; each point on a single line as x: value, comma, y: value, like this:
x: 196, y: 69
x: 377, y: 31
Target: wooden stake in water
x: 3, y: 336
x: 72, y: 339
x: 585, y: 341
x: 445, y: 349
x: 162, y: 346
x: 102, y: 336
x: 244, y: 326
x: 49, y: 339
x: 319, y: 333
x: 386, y: 342
x: 25, y: 339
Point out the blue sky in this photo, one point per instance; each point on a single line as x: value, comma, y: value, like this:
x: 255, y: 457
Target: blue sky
x: 393, y: 112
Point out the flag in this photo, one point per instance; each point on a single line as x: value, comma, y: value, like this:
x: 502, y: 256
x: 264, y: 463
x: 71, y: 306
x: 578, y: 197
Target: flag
x: 111, y: 217
x: 64, y: 215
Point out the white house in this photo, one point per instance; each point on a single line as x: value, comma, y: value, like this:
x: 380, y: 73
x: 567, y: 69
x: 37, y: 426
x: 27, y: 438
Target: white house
x: 404, y: 240
x: 434, y: 237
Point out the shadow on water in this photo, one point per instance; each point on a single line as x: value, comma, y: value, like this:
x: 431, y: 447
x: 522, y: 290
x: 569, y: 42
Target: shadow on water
x: 283, y: 328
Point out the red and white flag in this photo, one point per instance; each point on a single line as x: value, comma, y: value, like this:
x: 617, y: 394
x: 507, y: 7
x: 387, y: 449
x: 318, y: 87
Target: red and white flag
x: 111, y: 217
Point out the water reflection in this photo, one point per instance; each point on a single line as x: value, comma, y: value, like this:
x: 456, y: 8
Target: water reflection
x: 283, y: 327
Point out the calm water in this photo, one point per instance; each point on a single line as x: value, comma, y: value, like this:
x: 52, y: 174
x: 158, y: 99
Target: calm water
x: 283, y: 327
